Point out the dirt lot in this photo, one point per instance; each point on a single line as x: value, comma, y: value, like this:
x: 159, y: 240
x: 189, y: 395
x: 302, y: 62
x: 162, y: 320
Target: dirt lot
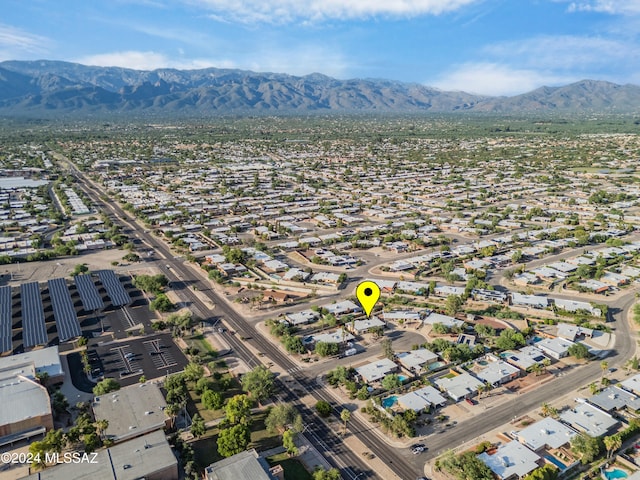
x: 60, y: 267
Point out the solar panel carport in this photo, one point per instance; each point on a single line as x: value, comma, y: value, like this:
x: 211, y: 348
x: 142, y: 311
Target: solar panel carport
x: 115, y: 290
x: 63, y: 311
x: 5, y: 319
x: 33, y: 326
x: 89, y: 295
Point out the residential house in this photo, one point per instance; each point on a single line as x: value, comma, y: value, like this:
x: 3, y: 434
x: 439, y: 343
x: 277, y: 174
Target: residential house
x: 421, y: 400
x: 375, y: 371
x: 459, y: 386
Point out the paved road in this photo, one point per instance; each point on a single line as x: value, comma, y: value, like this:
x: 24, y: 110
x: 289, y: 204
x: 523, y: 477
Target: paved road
x: 402, y: 462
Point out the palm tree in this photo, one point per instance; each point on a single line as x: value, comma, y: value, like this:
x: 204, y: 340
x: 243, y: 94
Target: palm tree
x: 593, y: 387
x: 612, y: 443
x: 603, y: 366
x: 101, y: 427
x: 345, y: 416
x: 172, y: 411
x: 545, y: 364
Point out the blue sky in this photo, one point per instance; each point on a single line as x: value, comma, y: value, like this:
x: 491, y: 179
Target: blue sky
x: 497, y: 47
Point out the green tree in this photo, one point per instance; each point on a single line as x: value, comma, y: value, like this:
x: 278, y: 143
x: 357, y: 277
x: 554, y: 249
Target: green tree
x: 391, y: 381
x: 211, y: 400
x: 612, y: 443
x: 547, y: 472
x: 105, y: 386
x: 345, y: 416
x: 198, y: 428
x: 288, y: 442
x: 282, y: 417
x: 453, y: 304
x: 588, y: 447
x: 259, y: 383
x: 238, y: 410
x: 322, y: 474
x: 193, y: 372
x: 161, y: 303
x: 325, y: 349
x: 80, y: 269
x: 233, y: 440
x: 440, y: 328
x: 509, y: 339
x: 323, y: 408
x: 578, y: 350
x: 293, y: 344
x: 387, y: 348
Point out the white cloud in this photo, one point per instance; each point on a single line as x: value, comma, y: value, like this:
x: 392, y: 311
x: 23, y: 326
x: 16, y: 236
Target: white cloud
x: 613, y: 7
x: 149, y: 61
x: 285, y: 11
x: 297, y: 60
x: 496, y: 79
x: 563, y: 52
x: 15, y: 43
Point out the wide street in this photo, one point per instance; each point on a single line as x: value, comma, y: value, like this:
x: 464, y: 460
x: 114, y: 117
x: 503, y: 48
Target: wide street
x: 405, y: 465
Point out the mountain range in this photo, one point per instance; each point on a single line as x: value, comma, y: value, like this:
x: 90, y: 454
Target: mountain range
x: 39, y: 87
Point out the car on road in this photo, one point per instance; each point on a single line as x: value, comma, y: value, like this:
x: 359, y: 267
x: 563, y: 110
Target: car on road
x: 417, y: 445
x: 417, y: 450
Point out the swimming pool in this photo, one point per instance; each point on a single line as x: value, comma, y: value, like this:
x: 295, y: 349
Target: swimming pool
x: 402, y: 378
x: 389, y: 401
x: 436, y: 365
x: 561, y: 466
x: 536, y: 339
x: 615, y: 473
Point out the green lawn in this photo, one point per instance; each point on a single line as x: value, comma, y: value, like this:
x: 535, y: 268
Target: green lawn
x: 206, y: 448
x: 261, y: 439
x: 194, y: 405
x: 293, y: 468
x: 199, y: 342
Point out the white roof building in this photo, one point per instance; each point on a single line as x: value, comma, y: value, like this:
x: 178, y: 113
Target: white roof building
x: 525, y: 357
x: 300, y: 318
x: 499, y: 372
x: 417, y: 359
x: 589, y: 419
x: 374, y: 371
x: 421, y: 399
x: 459, y: 387
x: 445, y: 320
x: 632, y: 384
x: 361, y: 326
x: 511, y: 460
x: 570, y: 331
x: 548, y: 432
x: 338, y: 336
x: 346, y: 306
x: 555, y: 347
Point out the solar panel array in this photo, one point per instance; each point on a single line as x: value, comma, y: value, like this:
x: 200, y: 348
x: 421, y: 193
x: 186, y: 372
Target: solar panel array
x: 33, y: 327
x: 5, y: 319
x: 115, y: 290
x: 89, y: 295
x: 63, y: 311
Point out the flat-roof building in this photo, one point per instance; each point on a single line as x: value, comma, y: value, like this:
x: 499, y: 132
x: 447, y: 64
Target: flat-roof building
x: 132, y: 411
x: 25, y: 405
x: 421, y: 399
x: 546, y: 433
x: 512, y: 460
x: 149, y: 457
x: 374, y: 371
x: 614, y: 398
x: 589, y: 419
x: 241, y: 466
x: 460, y: 386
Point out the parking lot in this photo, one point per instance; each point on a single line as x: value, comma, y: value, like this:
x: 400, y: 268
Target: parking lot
x: 126, y: 361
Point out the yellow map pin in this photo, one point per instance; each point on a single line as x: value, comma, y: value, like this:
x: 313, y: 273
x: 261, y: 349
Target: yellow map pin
x: 368, y: 294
